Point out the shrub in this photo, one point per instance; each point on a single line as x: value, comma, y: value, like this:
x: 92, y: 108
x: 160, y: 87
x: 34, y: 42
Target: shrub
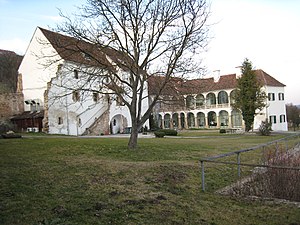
x: 265, y: 128
x: 222, y: 131
x: 159, y: 134
x: 6, y: 126
x: 169, y: 132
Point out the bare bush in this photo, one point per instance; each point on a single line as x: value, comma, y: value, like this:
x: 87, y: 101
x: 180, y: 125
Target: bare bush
x: 280, y: 182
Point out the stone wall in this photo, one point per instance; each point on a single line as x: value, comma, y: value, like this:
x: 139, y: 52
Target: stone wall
x: 101, y: 125
x: 11, y: 104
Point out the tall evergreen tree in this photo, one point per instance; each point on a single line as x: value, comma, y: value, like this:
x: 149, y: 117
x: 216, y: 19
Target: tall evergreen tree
x: 249, y: 96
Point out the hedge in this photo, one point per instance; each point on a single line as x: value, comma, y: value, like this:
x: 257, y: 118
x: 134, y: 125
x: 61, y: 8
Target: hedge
x: 159, y: 134
x: 169, y: 132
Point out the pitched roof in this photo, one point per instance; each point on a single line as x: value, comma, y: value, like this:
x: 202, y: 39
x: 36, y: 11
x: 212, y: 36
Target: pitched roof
x: 28, y: 115
x: 267, y: 79
x: 82, y: 52
x: 197, y: 86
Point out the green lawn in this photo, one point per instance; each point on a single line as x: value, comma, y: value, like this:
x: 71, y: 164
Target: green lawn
x: 64, y: 180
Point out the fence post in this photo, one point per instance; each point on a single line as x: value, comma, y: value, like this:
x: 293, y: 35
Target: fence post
x: 286, y: 145
x: 239, y: 162
x: 202, y: 175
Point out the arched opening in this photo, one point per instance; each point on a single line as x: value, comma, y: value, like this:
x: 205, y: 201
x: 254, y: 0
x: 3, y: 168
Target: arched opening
x: 236, y: 118
x: 200, y: 101
x: 211, y: 99
x: 190, y: 102
x: 182, y: 120
x: 191, y: 120
x: 201, y: 119
x: 167, y: 120
x: 175, y: 120
x: 224, y: 118
x: 212, y: 119
x: 118, y: 124
x: 222, y: 97
x: 159, y: 122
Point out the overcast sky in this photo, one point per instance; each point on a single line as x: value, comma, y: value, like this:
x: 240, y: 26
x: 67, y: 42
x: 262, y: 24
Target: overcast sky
x: 265, y: 31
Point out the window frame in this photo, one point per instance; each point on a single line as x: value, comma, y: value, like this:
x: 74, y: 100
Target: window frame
x: 271, y: 96
x: 272, y: 119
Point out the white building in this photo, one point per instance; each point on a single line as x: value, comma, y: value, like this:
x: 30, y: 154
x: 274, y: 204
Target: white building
x: 55, y: 66
x: 206, y: 103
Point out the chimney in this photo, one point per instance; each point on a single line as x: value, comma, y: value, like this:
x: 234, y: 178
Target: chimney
x: 216, y: 75
x: 238, y: 71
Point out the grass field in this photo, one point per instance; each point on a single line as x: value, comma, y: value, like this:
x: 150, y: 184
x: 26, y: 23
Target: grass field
x: 65, y: 180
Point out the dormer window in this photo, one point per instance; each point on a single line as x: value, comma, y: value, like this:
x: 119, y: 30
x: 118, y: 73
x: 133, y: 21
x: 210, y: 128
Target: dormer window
x: 86, y: 56
x: 76, y: 74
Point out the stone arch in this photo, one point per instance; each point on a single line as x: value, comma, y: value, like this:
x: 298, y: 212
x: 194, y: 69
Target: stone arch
x: 201, y: 119
x: 118, y: 124
x: 175, y: 120
x: 167, y: 120
x: 236, y: 118
x: 210, y: 99
x: 224, y: 118
x: 200, y: 101
x: 159, y: 122
x: 191, y: 119
x: 212, y: 119
x: 182, y: 120
x: 190, y: 102
x: 222, y: 97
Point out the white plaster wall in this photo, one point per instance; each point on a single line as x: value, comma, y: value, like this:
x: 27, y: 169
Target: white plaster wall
x: 62, y: 105
x: 276, y: 108
x: 38, y: 66
x: 87, y: 111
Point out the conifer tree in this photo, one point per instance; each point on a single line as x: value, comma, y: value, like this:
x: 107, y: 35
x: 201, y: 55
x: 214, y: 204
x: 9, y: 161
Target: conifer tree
x: 249, y: 97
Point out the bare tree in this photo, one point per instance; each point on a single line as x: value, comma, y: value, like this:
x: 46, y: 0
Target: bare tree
x: 293, y: 115
x: 149, y: 38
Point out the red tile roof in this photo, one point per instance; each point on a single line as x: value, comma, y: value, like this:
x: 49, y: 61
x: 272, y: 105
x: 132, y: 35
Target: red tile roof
x: 197, y: 86
x: 72, y: 49
x: 82, y: 52
x: 267, y: 79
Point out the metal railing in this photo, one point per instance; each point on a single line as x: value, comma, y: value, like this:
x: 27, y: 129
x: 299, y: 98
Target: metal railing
x: 289, y: 142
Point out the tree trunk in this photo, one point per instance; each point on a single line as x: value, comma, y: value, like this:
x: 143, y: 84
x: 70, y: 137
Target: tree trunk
x: 132, y: 144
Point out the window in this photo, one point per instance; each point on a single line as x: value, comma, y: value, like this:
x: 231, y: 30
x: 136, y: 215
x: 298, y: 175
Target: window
x: 190, y: 102
x: 271, y: 96
x: 281, y: 96
x: 282, y: 118
x: 86, y: 56
x: 60, y: 120
x: 95, y: 97
x: 76, y: 96
x: 222, y: 97
x: 76, y: 74
x: 273, y: 119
